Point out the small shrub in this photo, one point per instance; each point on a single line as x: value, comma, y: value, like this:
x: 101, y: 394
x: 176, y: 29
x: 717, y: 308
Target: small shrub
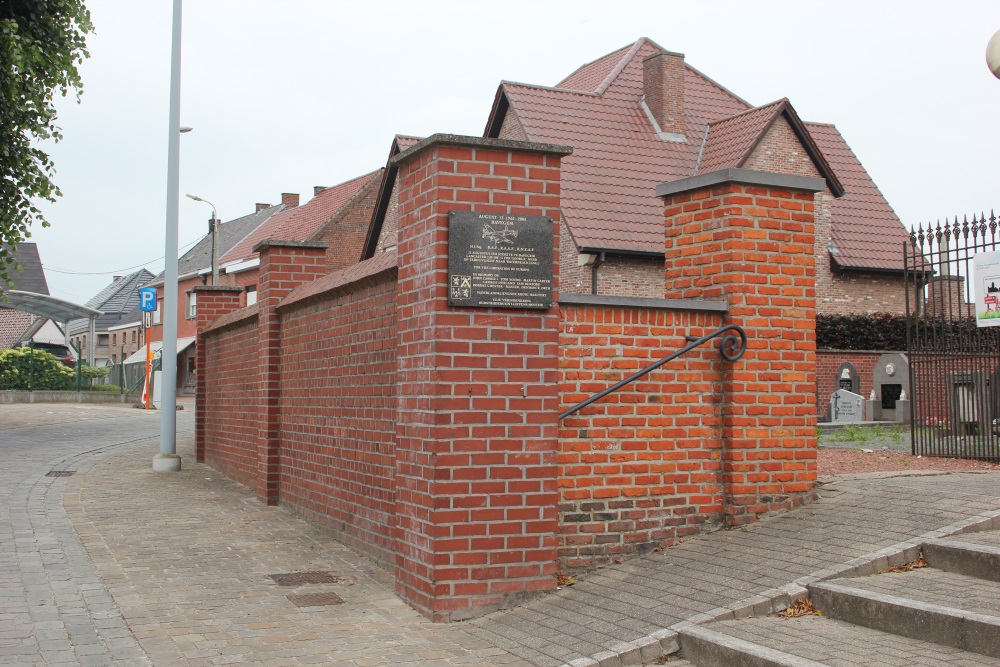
x: 24, y: 368
x: 94, y: 372
x: 103, y: 387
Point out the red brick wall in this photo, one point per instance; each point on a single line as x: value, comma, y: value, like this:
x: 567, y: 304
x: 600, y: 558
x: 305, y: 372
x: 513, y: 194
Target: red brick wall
x: 752, y: 246
x: 283, y: 267
x: 338, y: 413
x: 345, y: 233
x: 828, y: 363
x: 231, y: 394
x: 476, y: 437
x: 641, y: 467
x: 781, y: 152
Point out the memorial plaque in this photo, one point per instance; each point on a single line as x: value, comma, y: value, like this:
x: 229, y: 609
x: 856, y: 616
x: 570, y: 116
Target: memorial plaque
x: 846, y: 407
x: 499, y: 260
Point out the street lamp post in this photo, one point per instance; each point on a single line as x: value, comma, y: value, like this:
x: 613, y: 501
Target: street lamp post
x: 213, y: 227
x: 168, y: 460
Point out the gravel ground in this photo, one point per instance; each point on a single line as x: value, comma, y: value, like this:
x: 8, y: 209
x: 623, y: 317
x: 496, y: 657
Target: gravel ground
x: 859, y: 450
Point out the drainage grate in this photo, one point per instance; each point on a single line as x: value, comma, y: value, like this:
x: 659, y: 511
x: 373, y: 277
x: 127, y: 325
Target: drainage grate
x: 59, y: 473
x: 300, y: 578
x: 315, y: 599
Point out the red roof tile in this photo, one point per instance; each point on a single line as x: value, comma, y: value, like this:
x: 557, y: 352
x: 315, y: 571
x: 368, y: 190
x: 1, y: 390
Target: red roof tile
x: 865, y: 230
x: 731, y: 140
x: 301, y: 222
x: 609, y: 182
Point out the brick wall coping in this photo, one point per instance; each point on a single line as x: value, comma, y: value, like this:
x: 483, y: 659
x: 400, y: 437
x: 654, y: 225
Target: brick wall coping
x: 744, y: 176
x: 272, y: 243
x: 217, y: 288
x: 235, y: 317
x: 828, y: 350
x: 383, y: 262
x: 643, y: 302
x: 479, y: 142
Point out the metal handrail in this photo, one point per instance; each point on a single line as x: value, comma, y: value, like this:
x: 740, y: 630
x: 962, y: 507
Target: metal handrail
x: 731, y: 347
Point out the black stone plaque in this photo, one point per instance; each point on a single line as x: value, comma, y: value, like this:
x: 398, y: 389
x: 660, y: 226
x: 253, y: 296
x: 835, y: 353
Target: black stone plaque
x: 499, y: 260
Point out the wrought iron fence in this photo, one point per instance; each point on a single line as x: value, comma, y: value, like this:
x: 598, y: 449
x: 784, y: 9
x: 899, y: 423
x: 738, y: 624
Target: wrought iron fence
x: 954, y: 381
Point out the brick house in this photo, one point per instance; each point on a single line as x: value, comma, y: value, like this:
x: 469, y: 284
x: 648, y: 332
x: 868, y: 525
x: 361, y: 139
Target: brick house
x: 119, y: 303
x: 430, y: 438
x: 339, y: 214
x: 14, y: 323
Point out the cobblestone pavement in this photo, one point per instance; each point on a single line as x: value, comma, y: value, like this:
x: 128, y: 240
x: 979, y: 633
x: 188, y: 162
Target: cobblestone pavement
x: 633, y: 601
x: 118, y: 565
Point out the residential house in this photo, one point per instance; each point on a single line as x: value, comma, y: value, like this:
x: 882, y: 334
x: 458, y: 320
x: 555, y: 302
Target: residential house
x: 339, y: 215
x: 195, y: 266
x: 119, y: 303
x: 14, y: 323
x: 641, y: 116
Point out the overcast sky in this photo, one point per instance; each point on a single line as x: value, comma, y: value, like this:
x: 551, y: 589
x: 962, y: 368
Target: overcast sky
x: 287, y: 95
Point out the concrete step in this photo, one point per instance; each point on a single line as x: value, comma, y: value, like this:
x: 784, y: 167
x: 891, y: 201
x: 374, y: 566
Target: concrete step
x: 810, y: 641
x: 973, y: 559
x: 946, y: 608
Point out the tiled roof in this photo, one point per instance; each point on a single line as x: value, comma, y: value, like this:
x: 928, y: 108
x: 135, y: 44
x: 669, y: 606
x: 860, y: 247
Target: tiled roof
x: 118, y: 302
x: 399, y: 144
x: 588, y: 78
x: 301, y: 222
x: 404, y: 141
x: 32, y: 279
x: 609, y: 182
x: 731, y: 140
x: 866, y: 231
x: 230, y: 233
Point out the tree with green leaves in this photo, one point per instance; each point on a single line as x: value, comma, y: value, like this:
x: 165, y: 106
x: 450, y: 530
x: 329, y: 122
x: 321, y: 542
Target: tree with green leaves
x: 42, y: 42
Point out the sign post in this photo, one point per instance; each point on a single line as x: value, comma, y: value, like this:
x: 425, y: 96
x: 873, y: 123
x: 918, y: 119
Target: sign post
x: 147, y: 304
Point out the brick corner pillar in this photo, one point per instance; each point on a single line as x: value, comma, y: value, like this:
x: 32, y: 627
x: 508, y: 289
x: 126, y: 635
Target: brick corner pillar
x: 213, y: 302
x: 284, y: 265
x: 747, y: 237
x: 477, y: 431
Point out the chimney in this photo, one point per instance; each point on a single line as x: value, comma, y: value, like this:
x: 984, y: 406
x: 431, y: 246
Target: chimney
x: 261, y: 207
x: 663, y: 91
x: 290, y: 199
x: 318, y: 189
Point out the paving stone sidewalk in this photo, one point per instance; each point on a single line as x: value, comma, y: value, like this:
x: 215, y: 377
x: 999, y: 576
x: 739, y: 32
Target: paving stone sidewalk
x: 118, y: 565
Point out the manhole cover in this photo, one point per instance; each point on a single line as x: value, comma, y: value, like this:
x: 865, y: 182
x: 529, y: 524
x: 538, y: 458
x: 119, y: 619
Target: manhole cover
x: 59, y: 473
x: 315, y: 599
x: 300, y: 578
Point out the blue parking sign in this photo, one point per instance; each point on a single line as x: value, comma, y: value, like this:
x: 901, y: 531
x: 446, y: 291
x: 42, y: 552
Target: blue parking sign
x: 147, y: 299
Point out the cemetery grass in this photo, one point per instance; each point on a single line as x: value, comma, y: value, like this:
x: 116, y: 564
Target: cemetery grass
x: 882, y: 449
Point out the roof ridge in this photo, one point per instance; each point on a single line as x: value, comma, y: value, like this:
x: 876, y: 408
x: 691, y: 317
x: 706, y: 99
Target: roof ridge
x: 622, y: 64
x: 568, y: 91
x: 344, y: 208
x: 717, y: 84
x: 750, y: 110
x: 588, y: 64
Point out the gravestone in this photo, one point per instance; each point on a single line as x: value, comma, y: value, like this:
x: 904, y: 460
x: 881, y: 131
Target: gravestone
x: 846, y: 407
x: 890, y: 377
x: 847, y: 378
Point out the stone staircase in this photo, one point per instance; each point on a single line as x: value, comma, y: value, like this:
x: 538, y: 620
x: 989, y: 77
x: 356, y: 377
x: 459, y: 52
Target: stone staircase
x: 947, y: 613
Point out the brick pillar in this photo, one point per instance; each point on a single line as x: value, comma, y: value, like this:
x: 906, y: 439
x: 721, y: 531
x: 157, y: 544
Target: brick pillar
x: 476, y: 434
x: 747, y: 238
x: 284, y: 265
x: 213, y: 303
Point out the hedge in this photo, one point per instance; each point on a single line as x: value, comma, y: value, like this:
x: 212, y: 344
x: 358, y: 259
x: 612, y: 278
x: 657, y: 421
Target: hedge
x: 887, y: 331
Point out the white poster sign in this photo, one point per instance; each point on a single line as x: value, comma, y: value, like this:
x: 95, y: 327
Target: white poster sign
x: 986, y: 269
